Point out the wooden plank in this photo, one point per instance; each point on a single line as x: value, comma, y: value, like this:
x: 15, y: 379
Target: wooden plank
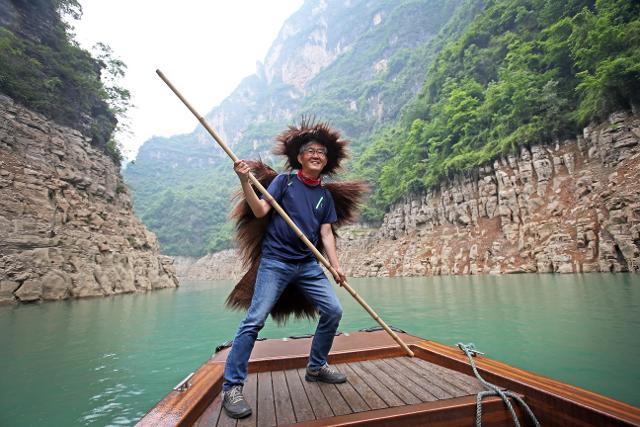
x: 284, y: 409
x: 380, y: 389
x: 339, y: 406
x: 349, y: 393
x: 301, y: 406
x: 319, y: 404
x: 421, y: 381
x: 448, y: 387
x: 225, y: 420
x: 281, y: 363
x: 455, y: 412
x: 368, y: 395
x: 250, y: 391
x: 346, y: 345
x: 459, y: 362
x: 265, y: 409
x: 400, y: 376
x: 183, y: 408
x: 397, y: 388
x: 438, y: 387
x: 465, y: 383
x: 209, y: 417
x: 517, y: 379
x: 553, y: 402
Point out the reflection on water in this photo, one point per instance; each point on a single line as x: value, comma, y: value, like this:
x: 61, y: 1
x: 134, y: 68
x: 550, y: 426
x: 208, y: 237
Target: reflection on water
x: 107, y: 361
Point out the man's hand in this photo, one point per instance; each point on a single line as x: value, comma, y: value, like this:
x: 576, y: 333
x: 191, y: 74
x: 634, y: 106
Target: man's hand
x: 339, y: 276
x: 258, y: 206
x: 242, y: 170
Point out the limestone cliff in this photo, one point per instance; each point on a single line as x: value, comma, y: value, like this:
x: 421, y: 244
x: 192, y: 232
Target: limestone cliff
x: 215, y: 266
x: 298, y: 67
x: 67, y: 229
x: 571, y: 207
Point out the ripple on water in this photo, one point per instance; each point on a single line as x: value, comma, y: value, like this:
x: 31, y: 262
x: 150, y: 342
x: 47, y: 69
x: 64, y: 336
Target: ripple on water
x: 99, y: 412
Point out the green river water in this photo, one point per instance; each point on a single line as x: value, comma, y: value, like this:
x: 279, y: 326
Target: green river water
x: 107, y: 361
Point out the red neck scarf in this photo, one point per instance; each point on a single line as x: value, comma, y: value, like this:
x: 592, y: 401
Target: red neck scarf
x: 309, y: 181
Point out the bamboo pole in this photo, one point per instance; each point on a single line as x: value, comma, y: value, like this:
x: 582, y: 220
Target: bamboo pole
x: 287, y: 219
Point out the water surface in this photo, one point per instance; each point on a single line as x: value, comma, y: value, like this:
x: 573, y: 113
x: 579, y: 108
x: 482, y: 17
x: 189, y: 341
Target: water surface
x: 107, y: 361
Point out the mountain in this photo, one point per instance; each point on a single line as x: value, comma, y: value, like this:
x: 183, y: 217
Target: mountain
x: 524, y: 72
x: 354, y: 64
x: 430, y: 93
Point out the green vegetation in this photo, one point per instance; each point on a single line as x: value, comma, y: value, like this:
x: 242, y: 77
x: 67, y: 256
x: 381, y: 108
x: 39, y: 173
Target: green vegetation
x: 182, y: 185
x: 42, y: 68
x: 525, y: 71
x: 432, y: 89
x: 176, y: 214
x: 385, y: 67
x: 182, y: 188
x: 185, y: 189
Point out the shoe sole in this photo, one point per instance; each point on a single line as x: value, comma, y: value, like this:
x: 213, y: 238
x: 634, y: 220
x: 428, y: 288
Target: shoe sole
x: 311, y: 379
x: 238, y: 415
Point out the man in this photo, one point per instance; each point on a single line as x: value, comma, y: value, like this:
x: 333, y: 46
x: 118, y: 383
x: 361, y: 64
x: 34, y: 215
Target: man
x: 285, y: 260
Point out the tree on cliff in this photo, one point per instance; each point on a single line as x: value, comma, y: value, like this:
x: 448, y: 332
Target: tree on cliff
x: 43, y: 68
x: 523, y: 72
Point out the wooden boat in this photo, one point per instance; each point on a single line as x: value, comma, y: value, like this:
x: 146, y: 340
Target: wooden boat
x: 384, y: 388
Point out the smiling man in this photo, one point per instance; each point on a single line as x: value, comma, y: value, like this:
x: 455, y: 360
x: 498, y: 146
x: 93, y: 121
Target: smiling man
x: 314, y: 150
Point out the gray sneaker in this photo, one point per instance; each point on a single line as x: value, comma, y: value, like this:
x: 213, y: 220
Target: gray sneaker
x: 325, y: 374
x: 234, y: 403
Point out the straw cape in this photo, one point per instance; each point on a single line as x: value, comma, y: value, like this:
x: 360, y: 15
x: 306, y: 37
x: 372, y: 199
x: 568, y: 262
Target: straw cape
x: 250, y: 230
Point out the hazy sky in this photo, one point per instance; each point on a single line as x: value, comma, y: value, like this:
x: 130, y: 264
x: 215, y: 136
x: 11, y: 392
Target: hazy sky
x: 204, y: 47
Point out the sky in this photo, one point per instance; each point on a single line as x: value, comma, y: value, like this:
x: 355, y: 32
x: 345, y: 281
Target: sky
x: 204, y: 47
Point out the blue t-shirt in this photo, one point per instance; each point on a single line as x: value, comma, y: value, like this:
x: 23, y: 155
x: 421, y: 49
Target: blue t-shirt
x: 309, y: 207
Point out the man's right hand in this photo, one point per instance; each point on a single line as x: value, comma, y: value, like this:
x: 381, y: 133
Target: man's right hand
x: 258, y: 206
x: 242, y: 170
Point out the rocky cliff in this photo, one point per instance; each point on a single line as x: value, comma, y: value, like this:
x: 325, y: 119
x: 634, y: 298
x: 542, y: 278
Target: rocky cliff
x: 67, y: 229
x: 573, y: 207
x: 354, y: 64
x: 215, y: 266
x: 567, y: 208
x: 319, y: 50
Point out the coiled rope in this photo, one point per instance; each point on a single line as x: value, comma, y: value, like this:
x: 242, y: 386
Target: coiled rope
x: 493, y: 390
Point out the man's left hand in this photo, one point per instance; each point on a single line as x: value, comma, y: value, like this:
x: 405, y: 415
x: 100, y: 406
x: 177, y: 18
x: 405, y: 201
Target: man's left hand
x: 339, y: 276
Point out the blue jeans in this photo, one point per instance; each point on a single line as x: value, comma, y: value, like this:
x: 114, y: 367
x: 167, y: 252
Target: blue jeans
x: 273, y: 277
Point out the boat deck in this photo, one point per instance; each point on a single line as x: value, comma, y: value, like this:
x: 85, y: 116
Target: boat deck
x: 283, y: 397
x: 384, y: 388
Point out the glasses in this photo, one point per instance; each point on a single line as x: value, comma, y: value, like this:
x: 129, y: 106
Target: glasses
x: 322, y: 152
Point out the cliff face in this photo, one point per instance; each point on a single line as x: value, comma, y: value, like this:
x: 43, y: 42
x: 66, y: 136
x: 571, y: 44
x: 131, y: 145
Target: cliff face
x: 220, y: 265
x: 573, y: 207
x: 33, y: 20
x: 66, y: 223
x: 354, y: 64
x: 315, y: 49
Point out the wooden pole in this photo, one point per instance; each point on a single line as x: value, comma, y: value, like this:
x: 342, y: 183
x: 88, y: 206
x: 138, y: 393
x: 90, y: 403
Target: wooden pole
x: 286, y: 217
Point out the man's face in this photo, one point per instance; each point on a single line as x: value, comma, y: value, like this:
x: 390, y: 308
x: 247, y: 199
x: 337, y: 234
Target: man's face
x: 313, y: 159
